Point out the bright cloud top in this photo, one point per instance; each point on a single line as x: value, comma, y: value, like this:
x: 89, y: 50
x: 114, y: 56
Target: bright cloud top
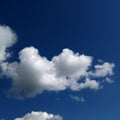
x: 40, y: 116
x: 34, y: 74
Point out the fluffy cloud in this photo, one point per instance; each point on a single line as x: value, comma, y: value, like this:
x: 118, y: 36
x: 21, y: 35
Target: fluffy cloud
x: 7, y: 39
x: 34, y: 73
x: 103, y: 70
x: 40, y: 116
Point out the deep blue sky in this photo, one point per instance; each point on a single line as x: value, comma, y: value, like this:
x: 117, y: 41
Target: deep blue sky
x: 91, y: 27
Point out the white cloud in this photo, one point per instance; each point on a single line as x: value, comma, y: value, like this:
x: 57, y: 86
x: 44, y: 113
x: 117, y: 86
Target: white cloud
x: 34, y: 73
x: 40, y: 116
x: 92, y: 84
x: 103, y: 70
x: 71, y: 65
x: 7, y: 39
x: 77, y: 98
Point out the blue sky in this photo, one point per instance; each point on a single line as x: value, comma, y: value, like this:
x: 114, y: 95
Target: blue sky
x: 88, y: 27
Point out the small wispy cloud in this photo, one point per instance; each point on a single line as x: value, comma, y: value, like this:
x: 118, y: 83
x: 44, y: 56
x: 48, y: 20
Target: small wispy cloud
x: 108, y: 80
x: 77, y: 98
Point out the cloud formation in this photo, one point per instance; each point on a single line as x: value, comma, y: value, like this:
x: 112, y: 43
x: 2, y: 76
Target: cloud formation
x: 33, y: 73
x: 7, y: 39
x: 40, y: 116
x: 103, y: 70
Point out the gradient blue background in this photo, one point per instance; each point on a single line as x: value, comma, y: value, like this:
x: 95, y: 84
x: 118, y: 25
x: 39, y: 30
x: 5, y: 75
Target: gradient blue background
x: 90, y: 27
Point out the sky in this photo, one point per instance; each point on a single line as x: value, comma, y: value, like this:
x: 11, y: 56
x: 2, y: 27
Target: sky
x: 59, y: 60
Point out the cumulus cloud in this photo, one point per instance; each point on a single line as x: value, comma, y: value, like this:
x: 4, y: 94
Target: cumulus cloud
x: 33, y: 73
x: 40, y: 116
